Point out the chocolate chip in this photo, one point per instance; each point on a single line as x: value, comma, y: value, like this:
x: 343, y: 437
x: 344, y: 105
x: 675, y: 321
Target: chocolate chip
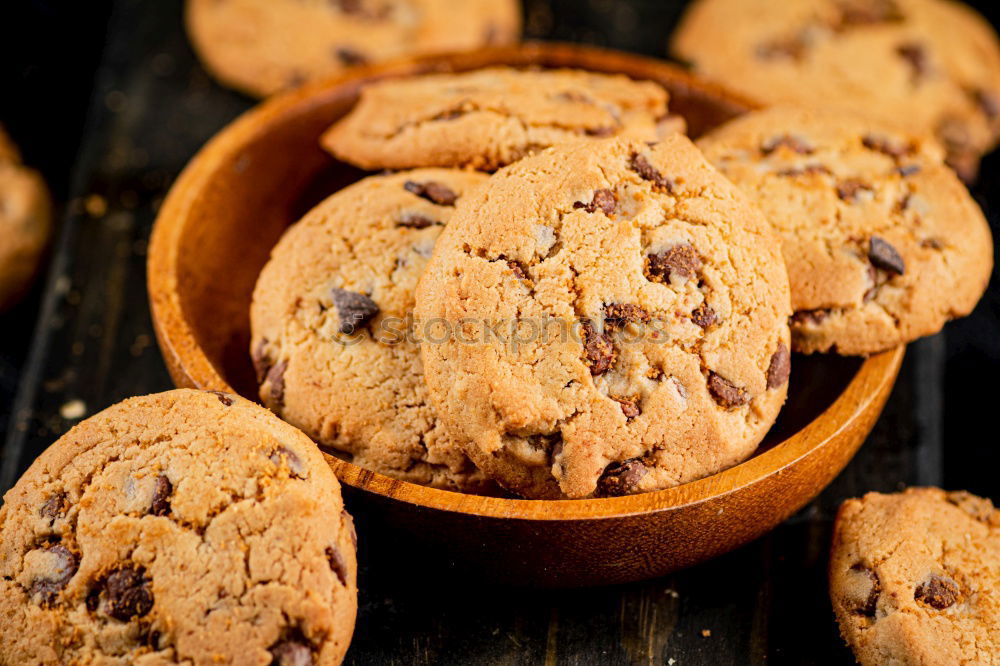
x: 987, y: 102
x: 162, y: 490
x: 809, y: 316
x: 962, y: 156
x: 680, y: 260
x: 725, y: 392
x: 261, y: 362
x: 793, y: 143
x: 53, y: 508
x: 867, y: 603
x: 66, y: 564
x: 291, y: 653
x: 887, y: 146
x: 868, y: 12
x: 979, y: 508
x: 617, y: 315
x: 415, y: 221
x: 598, y: 349
x: 355, y: 310
x: 603, y: 199
x: 337, y: 564
x: 647, y: 171
x: 519, y: 269
x: 295, y: 466
x: 916, y: 56
x: 937, y: 592
x: 630, y: 407
x: 348, y: 6
x: 433, y: 192
x: 884, y: 256
x: 276, y: 379
x: 807, y: 169
x: 127, y: 593
x: 224, y: 398
x: 350, y: 56
x: 932, y: 244
x: 780, y: 367
x: 792, y: 48
x: 849, y: 189
x: 908, y: 170
x: 621, y: 478
x: 704, y: 315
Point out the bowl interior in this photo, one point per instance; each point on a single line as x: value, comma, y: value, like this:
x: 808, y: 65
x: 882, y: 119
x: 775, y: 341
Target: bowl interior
x: 267, y: 170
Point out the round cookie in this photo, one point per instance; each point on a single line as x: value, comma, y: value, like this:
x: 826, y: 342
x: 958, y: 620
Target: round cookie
x: 931, y: 66
x: 330, y: 327
x: 883, y: 243
x: 915, y: 577
x: 25, y: 223
x: 606, y: 318
x: 182, y: 527
x: 264, y: 46
x: 491, y: 117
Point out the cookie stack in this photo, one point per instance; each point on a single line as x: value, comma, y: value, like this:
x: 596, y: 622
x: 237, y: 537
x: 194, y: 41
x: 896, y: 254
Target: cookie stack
x: 604, y: 315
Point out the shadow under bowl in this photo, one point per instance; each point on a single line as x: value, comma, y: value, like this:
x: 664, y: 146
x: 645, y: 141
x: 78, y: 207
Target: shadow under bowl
x: 260, y: 174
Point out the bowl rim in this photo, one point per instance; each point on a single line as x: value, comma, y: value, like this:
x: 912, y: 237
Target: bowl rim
x: 184, y: 356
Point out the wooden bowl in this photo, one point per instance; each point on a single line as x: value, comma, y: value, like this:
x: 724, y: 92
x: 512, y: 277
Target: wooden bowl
x: 233, y: 202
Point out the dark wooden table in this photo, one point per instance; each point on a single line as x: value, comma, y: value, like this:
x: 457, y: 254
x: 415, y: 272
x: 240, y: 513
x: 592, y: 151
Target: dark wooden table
x: 107, y: 98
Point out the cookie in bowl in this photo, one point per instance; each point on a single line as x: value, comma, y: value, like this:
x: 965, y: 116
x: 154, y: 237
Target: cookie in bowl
x: 931, y: 66
x: 883, y: 243
x: 186, y: 526
x: 914, y: 577
x: 331, y: 320
x: 491, y: 117
x: 606, y: 318
x: 264, y: 46
x: 25, y: 223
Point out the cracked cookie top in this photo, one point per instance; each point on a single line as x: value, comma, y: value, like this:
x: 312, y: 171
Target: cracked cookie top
x: 25, y: 222
x: 915, y: 577
x: 183, y: 527
x: 883, y: 243
x: 606, y: 318
x: 930, y: 66
x: 331, y: 326
x: 491, y: 117
x: 263, y: 46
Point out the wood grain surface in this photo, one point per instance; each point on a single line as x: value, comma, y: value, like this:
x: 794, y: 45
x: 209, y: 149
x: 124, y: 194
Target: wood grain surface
x: 151, y: 107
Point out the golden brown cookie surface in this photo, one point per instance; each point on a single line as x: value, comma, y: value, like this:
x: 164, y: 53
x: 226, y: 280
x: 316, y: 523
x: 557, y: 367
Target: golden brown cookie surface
x: 183, y: 526
x: 606, y: 318
x: 914, y: 577
x: 331, y: 316
x: 883, y: 243
x: 263, y: 46
x: 931, y: 66
x: 491, y: 117
x: 25, y: 223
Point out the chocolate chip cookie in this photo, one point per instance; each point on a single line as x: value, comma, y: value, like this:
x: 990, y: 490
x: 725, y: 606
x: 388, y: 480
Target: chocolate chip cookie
x: 915, y: 577
x: 882, y: 241
x: 263, y: 46
x: 606, y: 318
x: 25, y: 223
x: 332, y: 327
x: 931, y: 66
x: 183, y: 527
x: 492, y: 117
